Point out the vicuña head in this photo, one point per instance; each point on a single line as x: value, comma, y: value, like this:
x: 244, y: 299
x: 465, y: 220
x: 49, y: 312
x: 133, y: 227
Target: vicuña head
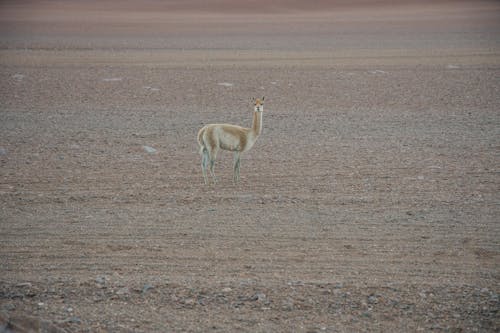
x: 259, y: 105
x: 234, y: 138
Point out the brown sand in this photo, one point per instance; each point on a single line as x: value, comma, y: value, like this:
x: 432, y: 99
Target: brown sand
x: 369, y: 203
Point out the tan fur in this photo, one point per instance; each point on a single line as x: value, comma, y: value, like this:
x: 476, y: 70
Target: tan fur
x: 234, y: 138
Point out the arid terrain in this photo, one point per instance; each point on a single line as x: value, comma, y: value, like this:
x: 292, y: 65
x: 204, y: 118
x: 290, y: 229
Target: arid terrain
x: 370, y: 203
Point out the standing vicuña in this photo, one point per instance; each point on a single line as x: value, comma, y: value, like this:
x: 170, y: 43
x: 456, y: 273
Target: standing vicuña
x: 228, y: 137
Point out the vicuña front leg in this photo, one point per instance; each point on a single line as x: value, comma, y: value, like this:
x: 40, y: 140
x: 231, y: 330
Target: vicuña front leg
x: 236, y: 167
x: 212, y: 172
x: 213, y: 155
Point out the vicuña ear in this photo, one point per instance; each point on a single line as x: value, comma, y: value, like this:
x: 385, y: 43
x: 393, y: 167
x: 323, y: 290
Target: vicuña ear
x: 263, y: 98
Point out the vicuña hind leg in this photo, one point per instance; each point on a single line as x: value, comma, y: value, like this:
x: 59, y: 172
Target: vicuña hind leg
x: 204, y: 164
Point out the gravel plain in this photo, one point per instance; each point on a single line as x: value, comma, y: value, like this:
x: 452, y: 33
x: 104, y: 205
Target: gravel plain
x: 370, y: 203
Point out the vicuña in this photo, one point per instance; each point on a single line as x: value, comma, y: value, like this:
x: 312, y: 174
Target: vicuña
x: 234, y: 138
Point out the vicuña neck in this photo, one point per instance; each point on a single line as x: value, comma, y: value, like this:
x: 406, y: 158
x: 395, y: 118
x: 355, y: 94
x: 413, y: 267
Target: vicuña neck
x: 257, y: 123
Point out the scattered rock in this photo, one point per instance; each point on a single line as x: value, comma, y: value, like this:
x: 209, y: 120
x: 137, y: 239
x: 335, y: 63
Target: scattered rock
x: 72, y: 320
x: 18, y: 77
x: 247, y: 282
x: 226, y: 290
x: 225, y: 84
x: 9, y: 307
x: 202, y: 300
x: 372, y: 299
x: 101, y: 281
x: 3, y: 152
x: 189, y: 301
x: 316, y: 329
x: 288, y: 305
x: 24, y: 284
x: 149, y: 149
x: 366, y: 314
x: 16, y: 295
x: 246, y: 198
x: 296, y: 283
x: 146, y: 287
x: 259, y: 297
x: 21, y: 323
x: 123, y: 291
x: 112, y: 79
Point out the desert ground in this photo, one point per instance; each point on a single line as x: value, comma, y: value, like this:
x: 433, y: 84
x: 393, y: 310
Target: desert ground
x: 370, y: 202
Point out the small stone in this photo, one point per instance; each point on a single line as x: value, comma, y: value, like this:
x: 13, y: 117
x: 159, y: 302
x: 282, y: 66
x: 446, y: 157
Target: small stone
x: 296, y: 283
x: 189, y: 301
x: 24, y: 284
x: 9, y: 307
x: 123, y: 291
x: 100, y: 280
x: 372, y: 299
x: 247, y: 282
x: 3, y: 152
x: 288, y: 305
x: 112, y: 79
x: 151, y: 88
x: 226, y: 290
x: 146, y: 287
x: 149, y: 150
x: 73, y: 320
x: 259, y: 297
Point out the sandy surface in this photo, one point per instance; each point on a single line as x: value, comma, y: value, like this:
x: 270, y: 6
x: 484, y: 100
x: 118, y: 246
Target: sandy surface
x: 369, y: 203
